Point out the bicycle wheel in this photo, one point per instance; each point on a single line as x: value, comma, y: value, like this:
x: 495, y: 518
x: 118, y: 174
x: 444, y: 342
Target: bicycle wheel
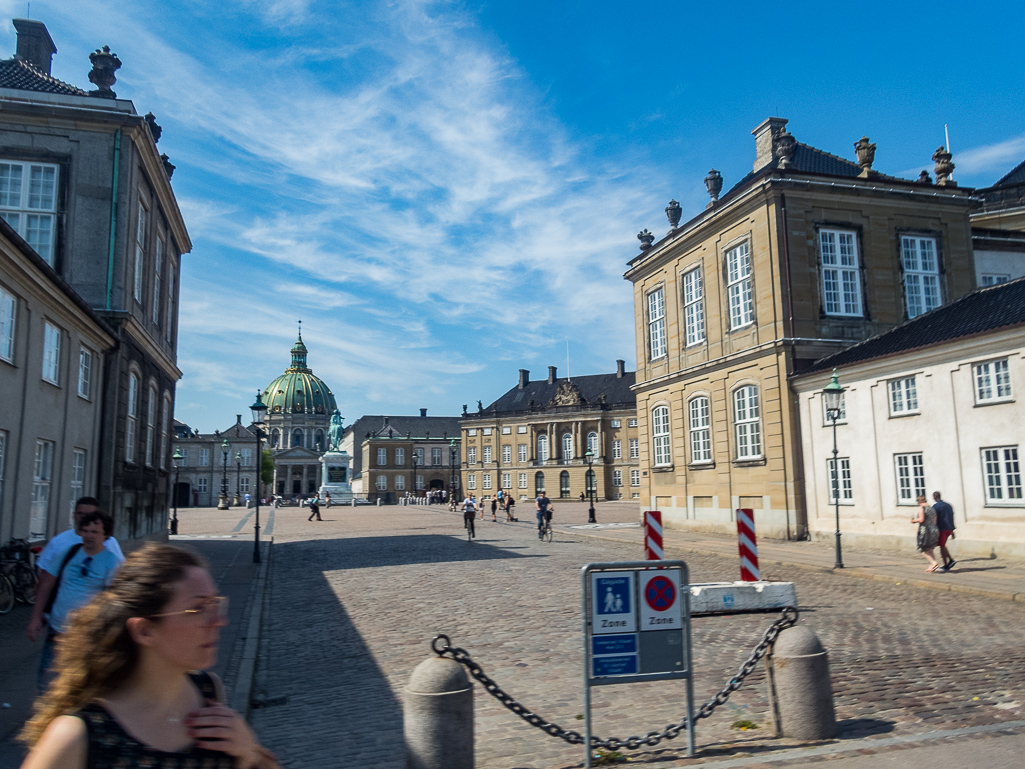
x: 549, y: 532
x: 6, y: 594
x: 23, y: 577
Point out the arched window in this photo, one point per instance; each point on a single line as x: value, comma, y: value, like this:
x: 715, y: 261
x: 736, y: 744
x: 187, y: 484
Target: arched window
x: 542, y: 448
x: 318, y: 440
x: 592, y: 443
x: 539, y: 482
x: 131, y: 423
x: 567, y: 446
x: 275, y: 438
x: 745, y: 422
x: 297, y: 437
x: 564, y: 484
x: 589, y: 479
x: 700, y: 429
x: 151, y: 424
x: 660, y: 436
x: 165, y: 429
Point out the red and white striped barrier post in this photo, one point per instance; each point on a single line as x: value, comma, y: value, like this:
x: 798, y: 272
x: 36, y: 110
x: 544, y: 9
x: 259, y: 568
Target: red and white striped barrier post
x: 748, y: 545
x: 653, y: 536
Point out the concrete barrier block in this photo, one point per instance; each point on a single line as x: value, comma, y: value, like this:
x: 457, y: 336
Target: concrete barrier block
x: 731, y: 597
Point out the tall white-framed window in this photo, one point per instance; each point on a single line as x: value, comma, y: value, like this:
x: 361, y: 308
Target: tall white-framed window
x: 841, y: 276
x: 617, y: 478
x: 471, y: 481
x: 521, y: 480
x: 418, y: 456
x: 8, y: 312
x: 700, y: 419
x: 172, y: 274
x: 845, y: 488
x: 635, y: 448
x: 506, y: 454
x: 151, y: 419
x: 660, y: 442
x: 746, y: 422
x: 486, y: 481
x: 471, y: 454
x: 506, y: 480
x: 140, y: 251
x: 245, y: 484
x: 51, y: 353
x: 203, y: 485
x: 487, y: 454
x: 617, y: 449
x: 382, y: 457
x: 542, y: 448
x: 738, y: 272
x: 165, y: 432
x: 185, y: 456
x: 921, y: 274
x: 132, y: 417
x: 28, y: 202
x: 77, y: 476
x: 657, y: 323
x: 381, y: 483
x: 592, y: 443
x: 204, y: 457
x: 42, y: 478
x: 521, y: 452
x: 85, y: 372
x: 247, y: 457
x: 400, y: 483
x: 635, y: 477
x: 1002, y: 473
x: 158, y: 269
x: 400, y: 457
x: 436, y: 456
x: 694, y: 307
x: 419, y: 483
x: 992, y: 381
x: 903, y: 396
x: 910, y: 471
x: 567, y: 446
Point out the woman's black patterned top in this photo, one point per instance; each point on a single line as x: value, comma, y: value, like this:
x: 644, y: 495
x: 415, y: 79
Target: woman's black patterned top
x: 111, y: 747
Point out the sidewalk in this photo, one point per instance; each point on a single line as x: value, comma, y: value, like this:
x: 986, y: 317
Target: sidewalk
x: 231, y: 563
x: 993, y: 578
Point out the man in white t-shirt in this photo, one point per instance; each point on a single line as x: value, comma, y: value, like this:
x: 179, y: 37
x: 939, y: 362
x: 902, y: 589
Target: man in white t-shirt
x: 59, y: 545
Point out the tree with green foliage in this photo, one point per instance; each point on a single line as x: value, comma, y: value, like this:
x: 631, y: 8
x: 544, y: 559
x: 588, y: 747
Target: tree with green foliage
x: 267, y: 469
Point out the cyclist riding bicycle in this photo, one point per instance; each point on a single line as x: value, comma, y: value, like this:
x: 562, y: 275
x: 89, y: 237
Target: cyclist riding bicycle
x: 469, y: 510
x: 544, y: 513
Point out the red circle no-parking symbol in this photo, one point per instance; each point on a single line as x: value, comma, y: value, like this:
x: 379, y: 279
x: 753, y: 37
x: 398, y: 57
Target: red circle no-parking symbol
x: 660, y: 594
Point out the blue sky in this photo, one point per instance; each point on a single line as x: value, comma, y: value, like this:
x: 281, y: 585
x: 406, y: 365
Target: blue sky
x: 447, y: 192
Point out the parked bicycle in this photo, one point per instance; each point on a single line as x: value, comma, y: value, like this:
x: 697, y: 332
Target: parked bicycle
x: 6, y: 594
x: 17, y: 564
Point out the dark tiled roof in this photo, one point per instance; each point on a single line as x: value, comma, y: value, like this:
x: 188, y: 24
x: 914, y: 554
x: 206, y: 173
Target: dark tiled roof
x: 397, y: 427
x: 20, y: 74
x: 616, y: 390
x: 1016, y: 176
x: 985, y: 309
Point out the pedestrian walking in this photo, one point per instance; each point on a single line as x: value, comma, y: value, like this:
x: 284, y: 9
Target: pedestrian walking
x: 928, y: 532
x: 315, y: 508
x: 541, y: 503
x: 945, y: 523
x: 75, y: 576
x: 327, y: 499
x: 509, y: 503
x: 469, y: 508
x: 494, y: 509
x: 129, y: 689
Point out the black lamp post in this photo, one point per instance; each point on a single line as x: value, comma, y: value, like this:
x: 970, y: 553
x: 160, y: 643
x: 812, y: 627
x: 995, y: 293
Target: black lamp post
x: 452, y: 469
x: 259, y: 413
x: 590, y: 486
x: 238, y: 479
x: 176, y: 457
x: 832, y: 395
x: 222, y: 504
x: 412, y: 482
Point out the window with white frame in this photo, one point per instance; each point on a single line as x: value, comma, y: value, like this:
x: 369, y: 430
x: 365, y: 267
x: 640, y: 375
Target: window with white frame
x: 903, y: 396
x: 694, y: 307
x: 472, y: 431
x: 247, y: 457
x: 140, y: 251
x: 400, y: 457
x: 542, y: 448
x: 631, y: 422
x: 165, y: 429
x: 436, y: 456
x: 844, y: 481
x: 617, y: 478
x: 28, y: 202
x: 506, y: 480
x: 85, y: 372
x: 635, y: 477
x: 382, y: 457
x: 992, y: 381
x: 521, y: 429
x: 169, y: 309
x: 746, y: 422
x: 660, y: 436
x: 51, y: 352
x: 921, y: 274
x: 204, y: 457
x: 158, y: 268
x: 419, y: 483
x: 910, y: 471
x: 567, y: 446
x: 471, y: 481
x: 635, y: 448
x: 506, y: 454
x: 381, y: 483
x: 841, y: 276
x: 506, y: 430
x: 487, y: 454
x: 77, y: 475
x: 842, y: 416
x: 656, y: 323
x: 615, y: 423
x: 151, y: 424
x: 521, y: 480
x: 617, y: 449
x: 486, y: 481
x: 521, y: 452
x: 245, y: 484
x: 592, y: 443
x: 1003, y: 474
x: 471, y: 454
x: 185, y: 457
x: 203, y: 484
x: 993, y: 280
x: 418, y: 456
x: 738, y: 271
x: 486, y: 431
x: 8, y: 308
x: 132, y: 417
x: 400, y: 483
x: 42, y: 477
x: 700, y: 419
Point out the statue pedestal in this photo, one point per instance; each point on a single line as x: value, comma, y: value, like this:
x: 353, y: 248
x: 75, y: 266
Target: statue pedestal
x: 335, y: 477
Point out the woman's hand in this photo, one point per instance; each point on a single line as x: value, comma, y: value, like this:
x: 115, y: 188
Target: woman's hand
x: 218, y: 727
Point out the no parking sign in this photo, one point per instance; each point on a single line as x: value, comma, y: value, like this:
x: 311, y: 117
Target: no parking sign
x: 661, y: 607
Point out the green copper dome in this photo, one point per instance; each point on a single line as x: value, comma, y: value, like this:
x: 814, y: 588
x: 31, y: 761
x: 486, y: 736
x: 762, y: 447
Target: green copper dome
x: 298, y: 391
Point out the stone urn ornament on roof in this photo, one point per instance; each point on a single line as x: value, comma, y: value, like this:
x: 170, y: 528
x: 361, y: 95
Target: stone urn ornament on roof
x: 646, y: 239
x: 105, y: 64
x: 866, y: 155
x: 673, y: 213
x: 784, y: 149
x: 713, y: 183
x: 944, y: 166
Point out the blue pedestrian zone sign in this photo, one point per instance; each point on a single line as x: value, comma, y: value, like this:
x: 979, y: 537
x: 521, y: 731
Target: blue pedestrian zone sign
x: 613, y: 609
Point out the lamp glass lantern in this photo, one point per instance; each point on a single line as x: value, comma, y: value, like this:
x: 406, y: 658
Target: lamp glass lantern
x: 259, y: 409
x: 832, y: 394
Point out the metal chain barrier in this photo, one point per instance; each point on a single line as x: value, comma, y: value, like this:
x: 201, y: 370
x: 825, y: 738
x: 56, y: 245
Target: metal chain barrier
x: 787, y: 619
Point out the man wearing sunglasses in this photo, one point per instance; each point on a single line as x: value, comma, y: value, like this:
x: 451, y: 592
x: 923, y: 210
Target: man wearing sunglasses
x: 77, y: 577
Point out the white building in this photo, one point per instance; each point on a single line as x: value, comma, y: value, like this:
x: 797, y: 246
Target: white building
x: 933, y: 405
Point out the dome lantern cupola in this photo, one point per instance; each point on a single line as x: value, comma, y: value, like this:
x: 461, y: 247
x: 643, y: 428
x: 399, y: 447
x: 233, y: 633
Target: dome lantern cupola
x: 298, y: 391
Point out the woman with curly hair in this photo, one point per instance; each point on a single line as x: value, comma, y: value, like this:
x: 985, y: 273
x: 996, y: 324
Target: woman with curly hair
x: 129, y: 689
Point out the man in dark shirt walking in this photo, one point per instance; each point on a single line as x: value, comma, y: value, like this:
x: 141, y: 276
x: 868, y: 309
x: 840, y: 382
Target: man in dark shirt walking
x: 945, y: 523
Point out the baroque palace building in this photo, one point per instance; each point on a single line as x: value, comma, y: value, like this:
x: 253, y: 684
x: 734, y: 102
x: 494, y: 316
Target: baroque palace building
x: 806, y: 255
x: 537, y: 436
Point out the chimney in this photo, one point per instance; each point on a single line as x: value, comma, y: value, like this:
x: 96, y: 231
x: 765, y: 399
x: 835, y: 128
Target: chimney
x: 34, y: 43
x: 765, y: 136
x: 551, y: 375
x: 524, y: 379
x: 238, y: 419
x: 423, y: 412
x: 386, y: 420
x: 620, y: 368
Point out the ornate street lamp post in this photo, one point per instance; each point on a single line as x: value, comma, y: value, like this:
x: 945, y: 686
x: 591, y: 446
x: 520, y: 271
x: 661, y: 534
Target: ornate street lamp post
x: 176, y: 457
x: 238, y: 479
x: 222, y: 503
x: 832, y: 395
x: 259, y: 413
x: 452, y: 470
x: 590, y: 485
x: 412, y: 483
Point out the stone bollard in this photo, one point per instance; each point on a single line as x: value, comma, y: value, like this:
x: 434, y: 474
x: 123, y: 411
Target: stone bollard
x: 800, y: 689
x: 438, y: 716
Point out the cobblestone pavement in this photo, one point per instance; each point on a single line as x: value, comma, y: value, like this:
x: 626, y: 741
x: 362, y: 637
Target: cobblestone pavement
x: 356, y: 599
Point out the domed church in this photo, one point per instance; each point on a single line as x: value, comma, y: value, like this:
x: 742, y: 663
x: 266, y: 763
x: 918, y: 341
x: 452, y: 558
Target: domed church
x: 299, y: 409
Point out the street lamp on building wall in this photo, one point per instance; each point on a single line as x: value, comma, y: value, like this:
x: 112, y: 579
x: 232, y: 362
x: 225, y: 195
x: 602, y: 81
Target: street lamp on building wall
x: 222, y: 503
x: 259, y: 413
x: 176, y: 457
x: 590, y: 485
x: 238, y: 479
x: 832, y: 395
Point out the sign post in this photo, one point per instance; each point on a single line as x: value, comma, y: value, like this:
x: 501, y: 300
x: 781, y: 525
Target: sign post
x: 636, y: 628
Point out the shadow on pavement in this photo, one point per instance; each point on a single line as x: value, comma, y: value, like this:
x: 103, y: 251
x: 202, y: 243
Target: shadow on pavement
x: 368, y: 552
x: 856, y: 728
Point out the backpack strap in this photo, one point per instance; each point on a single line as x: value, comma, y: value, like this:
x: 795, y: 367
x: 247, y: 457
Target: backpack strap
x: 60, y: 572
x: 205, y: 684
